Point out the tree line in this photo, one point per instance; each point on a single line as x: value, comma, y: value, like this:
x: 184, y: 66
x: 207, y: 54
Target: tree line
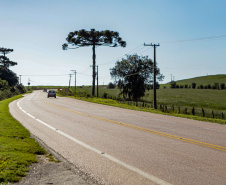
x: 9, y: 81
x: 218, y: 86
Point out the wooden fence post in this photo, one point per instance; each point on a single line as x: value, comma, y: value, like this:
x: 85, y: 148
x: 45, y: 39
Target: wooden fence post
x: 193, y: 111
x: 203, y: 113
x: 185, y: 111
x: 212, y: 113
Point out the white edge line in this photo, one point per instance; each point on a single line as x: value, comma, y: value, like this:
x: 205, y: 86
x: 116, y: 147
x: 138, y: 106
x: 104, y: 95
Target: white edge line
x: 132, y: 168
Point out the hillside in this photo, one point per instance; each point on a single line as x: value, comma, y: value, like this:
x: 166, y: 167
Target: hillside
x: 204, y: 80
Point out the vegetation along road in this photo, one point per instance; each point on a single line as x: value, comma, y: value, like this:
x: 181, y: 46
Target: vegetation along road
x: 120, y: 146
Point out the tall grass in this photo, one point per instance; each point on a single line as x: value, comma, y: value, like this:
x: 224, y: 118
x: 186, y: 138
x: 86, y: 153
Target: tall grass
x: 17, y: 149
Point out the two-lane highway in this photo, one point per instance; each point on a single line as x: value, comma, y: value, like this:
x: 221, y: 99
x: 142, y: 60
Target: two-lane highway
x: 119, y: 146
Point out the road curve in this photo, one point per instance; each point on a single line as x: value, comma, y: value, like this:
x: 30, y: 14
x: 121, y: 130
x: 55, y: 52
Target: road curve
x: 119, y: 146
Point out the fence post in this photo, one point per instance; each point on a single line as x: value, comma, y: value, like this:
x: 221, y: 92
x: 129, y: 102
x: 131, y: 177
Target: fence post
x: 222, y: 115
x: 165, y: 108
x: 193, y: 111
x: 203, y: 113
x: 179, y: 109
x: 212, y: 113
x: 185, y: 110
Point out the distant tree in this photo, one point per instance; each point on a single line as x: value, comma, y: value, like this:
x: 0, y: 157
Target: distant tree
x: 216, y: 86
x: 111, y: 85
x: 193, y: 85
x: 134, y: 75
x: 173, y: 84
x: 222, y: 86
x: 93, y: 38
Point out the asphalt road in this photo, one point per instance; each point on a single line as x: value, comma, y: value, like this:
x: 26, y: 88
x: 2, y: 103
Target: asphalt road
x: 119, y: 146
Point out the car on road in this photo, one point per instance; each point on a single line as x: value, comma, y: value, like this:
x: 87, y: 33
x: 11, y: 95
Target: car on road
x: 51, y: 93
x: 44, y: 90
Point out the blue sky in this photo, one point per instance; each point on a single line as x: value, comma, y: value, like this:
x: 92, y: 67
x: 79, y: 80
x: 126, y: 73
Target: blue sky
x: 36, y: 31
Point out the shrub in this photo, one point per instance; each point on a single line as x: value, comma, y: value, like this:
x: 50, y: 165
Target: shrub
x: 111, y: 85
x: 173, y: 84
x: 193, y: 85
x: 222, y: 86
x: 105, y: 95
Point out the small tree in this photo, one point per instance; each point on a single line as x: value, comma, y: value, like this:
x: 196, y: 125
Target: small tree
x: 193, y: 85
x: 111, y: 85
x: 133, y: 75
x: 173, y: 84
x: 93, y: 38
x: 222, y: 86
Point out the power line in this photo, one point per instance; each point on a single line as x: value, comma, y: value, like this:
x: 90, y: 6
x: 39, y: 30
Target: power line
x: 196, y: 39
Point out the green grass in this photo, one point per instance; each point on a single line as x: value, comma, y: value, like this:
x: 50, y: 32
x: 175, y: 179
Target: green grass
x: 204, y: 80
x: 17, y: 150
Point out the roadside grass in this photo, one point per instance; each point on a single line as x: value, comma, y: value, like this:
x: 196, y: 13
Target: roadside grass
x: 199, y: 98
x: 115, y: 103
x: 17, y: 150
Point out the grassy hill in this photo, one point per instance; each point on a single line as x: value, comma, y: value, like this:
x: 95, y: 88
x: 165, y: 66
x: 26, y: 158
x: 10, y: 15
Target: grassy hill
x: 204, y: 80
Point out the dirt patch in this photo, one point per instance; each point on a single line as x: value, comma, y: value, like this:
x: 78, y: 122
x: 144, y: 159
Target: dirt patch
x: 57, y: 173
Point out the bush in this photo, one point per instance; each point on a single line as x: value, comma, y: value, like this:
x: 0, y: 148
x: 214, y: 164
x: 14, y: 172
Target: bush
x: 216, y: 86
x: 201, y: 87
x: 21, y: 88
x: 193, y: 85
x: 105, y: 95
x: 111, y: 85
x: 173, y: 84
x: 222, y: 86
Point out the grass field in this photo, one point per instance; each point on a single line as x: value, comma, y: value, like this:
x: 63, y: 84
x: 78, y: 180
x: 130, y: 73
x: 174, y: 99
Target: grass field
x: 17, y: 149
x: 202, y: 80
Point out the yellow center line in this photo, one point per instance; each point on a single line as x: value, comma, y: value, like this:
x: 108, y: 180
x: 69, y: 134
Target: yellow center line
x: 142, y: 129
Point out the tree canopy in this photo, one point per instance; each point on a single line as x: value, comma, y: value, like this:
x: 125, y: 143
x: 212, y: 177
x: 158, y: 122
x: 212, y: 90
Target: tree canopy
x: 89, y: 38
x: 5, y: 51
x: 134, y: 75
x: 93, y: 38
x: 5, y: 72
x: 5, y: 62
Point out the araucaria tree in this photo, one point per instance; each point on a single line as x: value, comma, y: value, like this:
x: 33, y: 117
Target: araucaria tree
x: 134, y: 75
x: 93, y: 38
x: 5, y: 63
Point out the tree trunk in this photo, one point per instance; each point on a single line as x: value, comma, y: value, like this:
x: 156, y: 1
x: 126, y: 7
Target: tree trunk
x: 94, y: 73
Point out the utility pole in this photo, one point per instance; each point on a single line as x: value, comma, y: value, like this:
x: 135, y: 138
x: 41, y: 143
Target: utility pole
x: 171, y: 77
x: 70, y: 80
x: 75, y: 79
x: 20, y: 78
x: 97, y: 82
x: 154, y: 71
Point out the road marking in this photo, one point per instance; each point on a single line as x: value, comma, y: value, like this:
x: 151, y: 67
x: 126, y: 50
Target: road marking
x: 142, y: 129
x: 121, y: 163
